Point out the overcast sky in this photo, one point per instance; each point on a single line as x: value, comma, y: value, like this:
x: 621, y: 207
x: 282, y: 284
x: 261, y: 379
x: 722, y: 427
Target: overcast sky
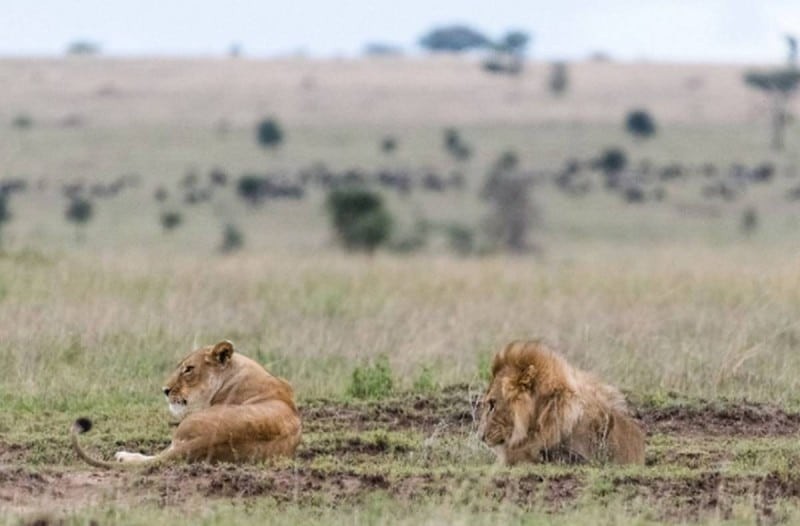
x: 671, y: 30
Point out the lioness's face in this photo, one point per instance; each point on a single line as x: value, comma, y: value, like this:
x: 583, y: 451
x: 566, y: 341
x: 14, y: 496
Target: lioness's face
x: 197, y: 378
x: 495, y: 421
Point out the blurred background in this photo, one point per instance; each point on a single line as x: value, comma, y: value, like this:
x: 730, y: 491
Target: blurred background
x: 458, y: 128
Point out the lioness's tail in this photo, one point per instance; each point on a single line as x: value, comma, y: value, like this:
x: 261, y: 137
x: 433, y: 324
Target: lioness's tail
x: 82, y: 425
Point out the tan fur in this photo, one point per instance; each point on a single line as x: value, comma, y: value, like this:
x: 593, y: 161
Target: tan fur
x: 230, y: 408
x: 538, y: 406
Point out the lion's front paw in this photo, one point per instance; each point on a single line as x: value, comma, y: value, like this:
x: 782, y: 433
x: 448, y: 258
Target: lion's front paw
x: 517, y: 438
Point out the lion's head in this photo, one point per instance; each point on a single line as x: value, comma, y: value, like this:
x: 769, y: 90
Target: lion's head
x: 495, y: 419
x: 527, y: 378
x: 197, y: 378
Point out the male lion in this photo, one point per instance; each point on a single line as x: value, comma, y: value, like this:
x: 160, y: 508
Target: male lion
x: 230, y: 409
x: 538, y: 406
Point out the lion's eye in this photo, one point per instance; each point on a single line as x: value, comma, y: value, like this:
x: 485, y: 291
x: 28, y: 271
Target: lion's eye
x: 491, y: 404
x: 188, y: 369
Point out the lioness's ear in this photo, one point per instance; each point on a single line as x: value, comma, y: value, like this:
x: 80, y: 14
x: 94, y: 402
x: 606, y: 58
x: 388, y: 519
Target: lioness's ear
x: 222, y: 352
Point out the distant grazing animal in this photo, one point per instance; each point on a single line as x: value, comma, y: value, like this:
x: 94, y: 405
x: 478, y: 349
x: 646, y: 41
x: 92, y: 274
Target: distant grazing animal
x: 537, y: 406
x: 230, y: 409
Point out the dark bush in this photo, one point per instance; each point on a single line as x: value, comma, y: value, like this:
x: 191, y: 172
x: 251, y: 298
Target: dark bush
x: 232, y: 239
x: 454, y: 145
x: 252, y: 188
x: 79, y: 211
x: 269, y: 133
x: 170, y: 220
x: 388, y: 144
x: 612, y: 160
x: 5, y: 212
x: 640, y: 124
x: 22, y: 122
x: 359, y: 218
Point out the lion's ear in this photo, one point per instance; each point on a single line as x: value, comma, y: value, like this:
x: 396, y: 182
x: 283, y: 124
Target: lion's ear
x: 222, y: 352
x: 526, y: 377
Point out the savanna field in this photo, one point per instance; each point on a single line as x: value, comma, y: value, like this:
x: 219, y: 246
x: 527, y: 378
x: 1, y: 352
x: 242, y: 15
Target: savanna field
x: 681, y: 285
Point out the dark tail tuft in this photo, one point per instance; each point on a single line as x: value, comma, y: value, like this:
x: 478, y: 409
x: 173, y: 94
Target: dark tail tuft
x: 83, y: 425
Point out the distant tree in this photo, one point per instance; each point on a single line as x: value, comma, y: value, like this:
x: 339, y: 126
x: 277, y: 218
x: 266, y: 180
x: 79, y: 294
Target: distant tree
x: 455, y: 38
x: 515, y: 42
x: 79, y: 211
x: 269, y: 133
x: 508, y: 53
x: 382, y: 49
x: 359, y: 218
x: 780, y: 85
x: 512, y: 212
x: 559, y: 78
x: 640, y: 124
x: 83, y: 48
x: 791, y: 41
x: 235, y: 50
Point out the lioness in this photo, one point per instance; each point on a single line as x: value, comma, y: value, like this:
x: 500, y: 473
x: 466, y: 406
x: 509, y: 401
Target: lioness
x: 230, y: 409
x: 538, y: 406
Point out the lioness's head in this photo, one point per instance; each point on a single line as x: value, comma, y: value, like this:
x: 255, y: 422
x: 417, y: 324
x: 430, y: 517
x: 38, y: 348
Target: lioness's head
x: 197, y: 378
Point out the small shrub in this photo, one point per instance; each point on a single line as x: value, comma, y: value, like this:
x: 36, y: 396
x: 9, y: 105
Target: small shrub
x: 388, y: 145
x: 461, y: 239
x: 372, y: 381
x: 22, y: 122
x: 748, y: 223
x: 232, y: 239
x: 640, y: 124
x: 425, y: 383
x: 454, y: 145
x: 269, y: 133
x: 5, y: 212
x: 161, y: 194
x: 170, y: 220
x: 359, y: 217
